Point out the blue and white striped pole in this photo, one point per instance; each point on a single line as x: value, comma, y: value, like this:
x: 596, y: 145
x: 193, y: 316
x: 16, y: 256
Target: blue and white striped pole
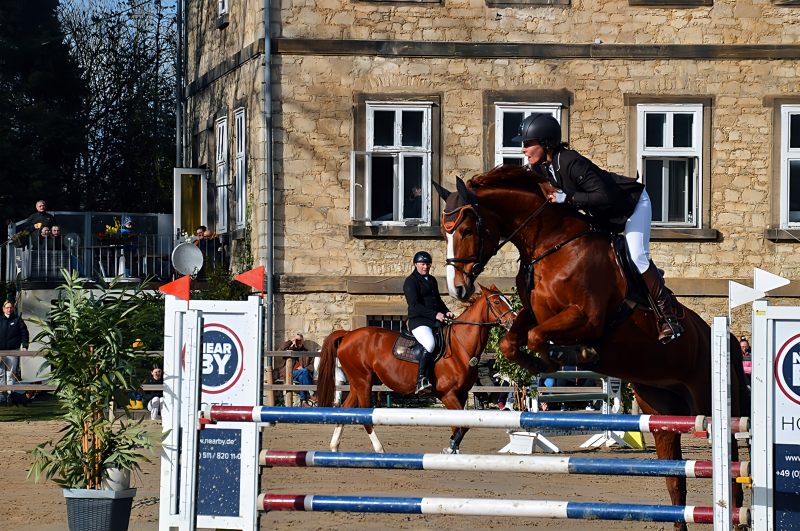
x: 494, y: 507
x: 531, y: 464
x: 448, y: 418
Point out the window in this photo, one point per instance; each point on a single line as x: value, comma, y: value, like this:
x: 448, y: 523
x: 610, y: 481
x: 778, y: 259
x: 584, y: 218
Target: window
x: 223, y: 7
x: 508, y: 116
x: 240, y: 179
x: 790, y: 166
x: 389, y: 322
x: 669, y: 154
x: 390, y: 179
x: 222, y: 175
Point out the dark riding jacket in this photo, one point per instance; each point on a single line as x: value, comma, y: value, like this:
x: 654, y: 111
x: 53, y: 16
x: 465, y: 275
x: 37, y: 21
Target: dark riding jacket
x: 606, y: 196
x: 13, y: 332
x: 424, y: 301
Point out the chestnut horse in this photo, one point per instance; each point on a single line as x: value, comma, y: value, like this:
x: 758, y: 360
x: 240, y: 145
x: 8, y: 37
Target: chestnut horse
x: 576, y: 284
x: 366, y: 356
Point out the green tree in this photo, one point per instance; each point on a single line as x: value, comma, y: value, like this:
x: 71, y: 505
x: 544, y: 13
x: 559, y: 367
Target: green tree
x: 42, y: 95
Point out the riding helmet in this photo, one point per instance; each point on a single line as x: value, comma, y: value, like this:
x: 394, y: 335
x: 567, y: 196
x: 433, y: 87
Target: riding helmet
x: 539, y: 126
x: 423, y: 257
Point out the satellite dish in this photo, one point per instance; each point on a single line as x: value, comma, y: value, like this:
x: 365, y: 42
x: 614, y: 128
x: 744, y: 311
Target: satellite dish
x: 187, y: 259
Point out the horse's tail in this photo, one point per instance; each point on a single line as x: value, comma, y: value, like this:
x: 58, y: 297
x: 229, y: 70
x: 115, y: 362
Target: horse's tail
x: 326, y: 384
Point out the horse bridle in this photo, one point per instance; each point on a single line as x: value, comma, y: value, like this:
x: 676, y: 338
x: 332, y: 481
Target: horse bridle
x: 499, y: 321
x: 478, y: 262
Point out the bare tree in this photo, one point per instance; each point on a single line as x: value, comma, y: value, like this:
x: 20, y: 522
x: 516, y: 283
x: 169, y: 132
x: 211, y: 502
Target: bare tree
x: 126, y: 52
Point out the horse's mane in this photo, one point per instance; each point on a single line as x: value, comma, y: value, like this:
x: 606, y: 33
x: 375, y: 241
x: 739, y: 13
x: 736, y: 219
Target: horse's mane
x: 508, y: 176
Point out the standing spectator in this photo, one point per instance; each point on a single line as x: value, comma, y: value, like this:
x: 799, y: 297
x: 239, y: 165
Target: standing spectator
x: 485, y: 369
x: 55, y: 234
x: 13, y: 335
x: 199, y: 231
x: 154, y: 399
x: 38, y: 218
x: 746, y: 364
x: 300, y: 370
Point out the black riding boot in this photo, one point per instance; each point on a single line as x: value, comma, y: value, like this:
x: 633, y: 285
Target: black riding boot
x: 423, y: 385
x: 670, y: 327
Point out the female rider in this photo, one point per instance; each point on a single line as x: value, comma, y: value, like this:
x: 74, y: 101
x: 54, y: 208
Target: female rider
x: 614, y: 201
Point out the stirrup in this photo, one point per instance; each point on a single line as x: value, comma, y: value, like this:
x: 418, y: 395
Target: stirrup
x: 423, y: 386
x: 674, y: 327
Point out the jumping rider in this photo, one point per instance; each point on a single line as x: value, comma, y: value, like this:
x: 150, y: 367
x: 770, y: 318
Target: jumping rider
x: 425, y: 308
x: 616, y: 201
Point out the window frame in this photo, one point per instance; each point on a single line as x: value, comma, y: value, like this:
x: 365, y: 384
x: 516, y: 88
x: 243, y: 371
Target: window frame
x: 240, y: 167
x: 221, y: 159
x: 223, y: 7
x: 399, y: 154
x: 527, y: 108
x: 668, y: 152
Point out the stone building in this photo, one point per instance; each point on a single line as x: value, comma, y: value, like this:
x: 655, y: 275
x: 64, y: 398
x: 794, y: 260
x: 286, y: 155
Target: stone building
x: 371, y: 101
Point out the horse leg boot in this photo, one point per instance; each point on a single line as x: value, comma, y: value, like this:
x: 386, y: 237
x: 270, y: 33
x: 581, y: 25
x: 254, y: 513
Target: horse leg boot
x: 670, y: 327
x: 424, y: 385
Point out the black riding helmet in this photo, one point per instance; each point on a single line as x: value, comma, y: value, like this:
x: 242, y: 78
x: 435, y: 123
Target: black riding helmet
x: 423, y: 257
x: 539, y: 126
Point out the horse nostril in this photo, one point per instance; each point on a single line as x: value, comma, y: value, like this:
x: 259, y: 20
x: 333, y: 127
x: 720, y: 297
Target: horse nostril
x: 460, y: 291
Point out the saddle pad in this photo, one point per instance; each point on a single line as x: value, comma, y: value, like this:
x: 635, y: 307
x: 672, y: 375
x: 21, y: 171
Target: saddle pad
x: 403, y: 349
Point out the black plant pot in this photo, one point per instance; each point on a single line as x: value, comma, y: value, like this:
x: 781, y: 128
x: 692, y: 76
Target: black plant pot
x: 99, y: 510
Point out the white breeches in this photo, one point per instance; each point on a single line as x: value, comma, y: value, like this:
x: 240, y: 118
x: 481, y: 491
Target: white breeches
x: 637, y: 232
x: 424, y: 335
x: 154, y: 406
x: 339, y: 378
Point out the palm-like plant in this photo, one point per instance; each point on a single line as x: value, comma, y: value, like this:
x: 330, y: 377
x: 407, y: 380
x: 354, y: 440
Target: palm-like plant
x: 94, y: 347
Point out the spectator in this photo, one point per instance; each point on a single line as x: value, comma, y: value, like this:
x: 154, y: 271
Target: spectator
x: 413, y: 204
x: 199, y: 231
x: 37, y: 219
x: 13, y: 335
x: 44, y: 242
x: 746, y: 364
x: 55, y: 235
x: 485, y: 369
x: 127, y: 230
x: 300, y: 371
x: 154, y: 399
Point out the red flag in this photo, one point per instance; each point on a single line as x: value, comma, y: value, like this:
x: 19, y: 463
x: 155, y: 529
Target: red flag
x: 253, y: 278
x: 180, y: 288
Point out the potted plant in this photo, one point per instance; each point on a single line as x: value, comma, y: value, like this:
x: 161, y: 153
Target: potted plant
x: 21, y: 238
x: 96, y: 351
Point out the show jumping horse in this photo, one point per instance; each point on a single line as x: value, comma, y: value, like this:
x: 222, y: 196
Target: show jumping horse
x: 575, y: 286
x: 365, y: 355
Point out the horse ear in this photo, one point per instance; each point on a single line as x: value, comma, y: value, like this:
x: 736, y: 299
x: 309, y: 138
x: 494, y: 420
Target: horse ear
x: 494, y: 288
x: 466, y: 195
x: 443, y: 192
x: 483, y: 288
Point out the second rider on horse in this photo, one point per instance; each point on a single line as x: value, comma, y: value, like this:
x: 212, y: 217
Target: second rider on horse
x: 614, y: 201
x: 426, y: 310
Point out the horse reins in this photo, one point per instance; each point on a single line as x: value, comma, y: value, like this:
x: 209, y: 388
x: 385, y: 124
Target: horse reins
x: 497, y: 322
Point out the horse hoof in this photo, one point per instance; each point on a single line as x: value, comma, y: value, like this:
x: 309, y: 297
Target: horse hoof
x: 449, y: 450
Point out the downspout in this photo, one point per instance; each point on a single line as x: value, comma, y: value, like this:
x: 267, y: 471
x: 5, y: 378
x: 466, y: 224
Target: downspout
x: 268, y: 174
x: 178, y: 82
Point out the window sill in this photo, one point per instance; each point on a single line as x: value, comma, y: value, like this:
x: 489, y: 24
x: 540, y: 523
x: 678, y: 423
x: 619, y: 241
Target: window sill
x: 782, y: 235
x: 671, y: 3
x: 405, y: 232
x: 223, y: 21
x: 500, y: 3
x: 239, y: 234
x: 663, y: 234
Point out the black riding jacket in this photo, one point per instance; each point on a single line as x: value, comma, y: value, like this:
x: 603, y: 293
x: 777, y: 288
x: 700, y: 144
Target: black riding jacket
x: 606, y: 196
x: 13, y: 332
x: 424, y: 301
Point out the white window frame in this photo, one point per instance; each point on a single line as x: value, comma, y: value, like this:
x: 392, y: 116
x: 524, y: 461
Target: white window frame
x: 527, y: 109
x: 222, y: 175
x: 240, y: 167
x: 669, y: 152
x: 223, y: 7
x: 787, y: 155
x: 399, y: 153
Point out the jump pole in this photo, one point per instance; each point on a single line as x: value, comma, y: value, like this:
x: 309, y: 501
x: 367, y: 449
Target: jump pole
x: 524, y: 464
x: 494, y: 507
x: 449, y: 418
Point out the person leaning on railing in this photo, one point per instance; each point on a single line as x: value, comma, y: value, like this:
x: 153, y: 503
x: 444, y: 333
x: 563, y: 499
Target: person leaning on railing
x: 13, y: 335
x: 300, y: 370
x: 36, y: 220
